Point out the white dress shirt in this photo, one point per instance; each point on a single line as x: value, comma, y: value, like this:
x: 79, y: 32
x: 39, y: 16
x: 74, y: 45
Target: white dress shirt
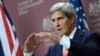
x: 65, y: 42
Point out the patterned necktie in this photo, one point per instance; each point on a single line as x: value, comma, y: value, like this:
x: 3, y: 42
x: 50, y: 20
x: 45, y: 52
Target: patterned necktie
x: 65, y: 52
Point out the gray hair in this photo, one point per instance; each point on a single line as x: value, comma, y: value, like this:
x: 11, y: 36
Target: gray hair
x: 67, y: 8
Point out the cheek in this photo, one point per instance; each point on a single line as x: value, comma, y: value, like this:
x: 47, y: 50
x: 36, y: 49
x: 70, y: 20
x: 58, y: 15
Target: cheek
x: 54, y: 26
x: 63, y: 23
x: 66, y: 26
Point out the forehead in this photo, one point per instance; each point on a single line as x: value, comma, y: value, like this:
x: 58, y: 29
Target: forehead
x: 57, y: 14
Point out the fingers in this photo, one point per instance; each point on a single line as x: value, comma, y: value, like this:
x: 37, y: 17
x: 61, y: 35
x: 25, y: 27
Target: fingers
x: 33, y: 41
x: 48, y: 35
x: 39, y: 42
x: 30, y: 37
x: 43, y: 34
x: 30, y: 42
x: 52, y: 37
x: 48, y: 41
x: 55, y: 40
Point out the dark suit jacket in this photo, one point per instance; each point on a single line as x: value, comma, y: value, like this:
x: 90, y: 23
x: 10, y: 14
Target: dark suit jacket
x: 83, y: 44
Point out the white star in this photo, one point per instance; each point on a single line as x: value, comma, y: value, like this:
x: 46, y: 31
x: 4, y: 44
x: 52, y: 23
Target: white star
x: 77, y: 9
x: 80, y: 20
x: 79, y: 26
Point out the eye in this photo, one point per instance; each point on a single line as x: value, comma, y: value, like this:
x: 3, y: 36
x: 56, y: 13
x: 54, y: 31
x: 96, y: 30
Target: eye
x: 53, y: 20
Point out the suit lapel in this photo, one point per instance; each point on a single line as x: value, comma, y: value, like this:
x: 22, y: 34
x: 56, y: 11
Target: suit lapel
x: 78, y: 34
x: 58, y: 51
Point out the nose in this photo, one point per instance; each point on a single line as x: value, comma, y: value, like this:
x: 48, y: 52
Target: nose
x: 57, y: 24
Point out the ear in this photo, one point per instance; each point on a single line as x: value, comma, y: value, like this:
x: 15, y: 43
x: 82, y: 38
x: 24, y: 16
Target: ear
x: 72, y: 20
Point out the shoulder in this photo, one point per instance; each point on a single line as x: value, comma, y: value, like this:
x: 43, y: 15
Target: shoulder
x: 86, y: 33
x: 91, y: 34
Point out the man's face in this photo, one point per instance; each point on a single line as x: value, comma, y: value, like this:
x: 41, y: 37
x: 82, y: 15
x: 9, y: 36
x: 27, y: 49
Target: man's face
x: 62, y: 24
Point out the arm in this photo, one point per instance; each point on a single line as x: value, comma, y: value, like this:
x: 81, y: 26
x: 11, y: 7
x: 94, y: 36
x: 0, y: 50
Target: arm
x: 31, y: 43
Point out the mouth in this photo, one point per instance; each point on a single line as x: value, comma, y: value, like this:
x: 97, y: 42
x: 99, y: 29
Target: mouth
x: 58, y: 29
x: 60, y: 32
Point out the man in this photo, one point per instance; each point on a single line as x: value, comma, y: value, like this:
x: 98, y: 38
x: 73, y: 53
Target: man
x: 69, y: 37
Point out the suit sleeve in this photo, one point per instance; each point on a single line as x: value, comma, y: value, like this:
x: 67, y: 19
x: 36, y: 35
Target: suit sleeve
x: 91, y: 47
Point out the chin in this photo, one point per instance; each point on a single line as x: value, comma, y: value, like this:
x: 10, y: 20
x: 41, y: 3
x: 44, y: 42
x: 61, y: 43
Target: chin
x: 60, y: 34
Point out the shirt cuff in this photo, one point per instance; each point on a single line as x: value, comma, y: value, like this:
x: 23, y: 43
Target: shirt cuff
x: 28, y: 54
x: 65, y: 41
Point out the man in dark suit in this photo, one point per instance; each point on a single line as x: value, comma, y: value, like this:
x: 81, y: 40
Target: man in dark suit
x: 69, y: 37
x: 83, y: 44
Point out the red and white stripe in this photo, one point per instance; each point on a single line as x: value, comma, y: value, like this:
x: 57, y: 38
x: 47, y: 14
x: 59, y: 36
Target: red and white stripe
x: 9, y: 43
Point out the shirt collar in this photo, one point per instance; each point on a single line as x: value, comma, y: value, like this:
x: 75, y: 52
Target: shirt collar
x: 72, y: 33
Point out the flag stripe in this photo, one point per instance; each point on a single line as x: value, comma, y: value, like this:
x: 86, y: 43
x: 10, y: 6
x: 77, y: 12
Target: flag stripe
x: 8, y: 17
x: 19, y: 52
x: 3, y: 37
x: 9, y: 44
x: 7, y: 30
x: 7, y: 14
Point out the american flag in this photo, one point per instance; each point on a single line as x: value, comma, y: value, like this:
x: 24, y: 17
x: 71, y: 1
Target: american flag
x: 80, y: 15
x: 9, y: 44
